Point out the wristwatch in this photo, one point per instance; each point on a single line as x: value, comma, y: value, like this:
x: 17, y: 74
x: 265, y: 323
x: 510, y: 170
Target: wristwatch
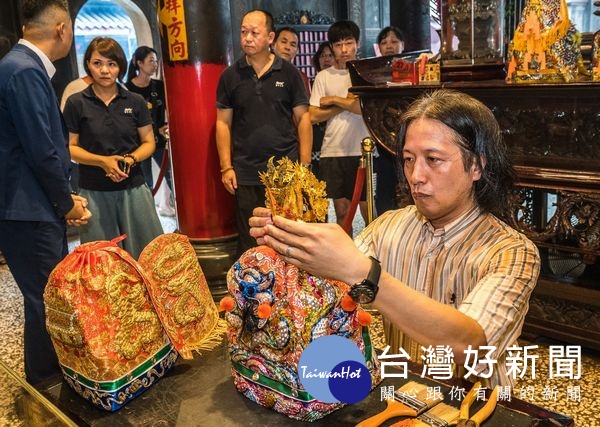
x: 365, y: 292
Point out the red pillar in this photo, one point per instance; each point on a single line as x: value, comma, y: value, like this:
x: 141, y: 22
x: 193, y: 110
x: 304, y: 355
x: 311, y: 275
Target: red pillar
x: 205, y: 211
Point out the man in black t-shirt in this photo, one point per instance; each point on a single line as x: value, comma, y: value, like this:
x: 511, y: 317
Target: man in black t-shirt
x: 262, y: 111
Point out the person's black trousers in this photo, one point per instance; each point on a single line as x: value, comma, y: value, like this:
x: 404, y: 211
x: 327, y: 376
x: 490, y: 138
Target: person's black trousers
x: 247, y: 197
x: 32, y: 249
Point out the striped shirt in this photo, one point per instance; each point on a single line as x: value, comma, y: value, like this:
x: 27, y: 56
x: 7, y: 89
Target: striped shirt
x: 477, y: 264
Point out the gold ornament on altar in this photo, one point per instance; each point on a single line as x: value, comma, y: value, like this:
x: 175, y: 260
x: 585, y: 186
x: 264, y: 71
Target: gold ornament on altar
x: 546, y: 45
x: 596, y: 57
x: 293, y: 191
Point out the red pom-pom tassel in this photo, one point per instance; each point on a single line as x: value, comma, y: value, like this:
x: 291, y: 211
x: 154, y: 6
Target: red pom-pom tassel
x: 364, y: 318
x: 263, y: 311
x: 348, y: 304
x: 227, y: 303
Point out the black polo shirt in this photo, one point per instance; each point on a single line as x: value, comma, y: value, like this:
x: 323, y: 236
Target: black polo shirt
x: 154, y: 94
x: 262, y: 124
x: 107, y: 130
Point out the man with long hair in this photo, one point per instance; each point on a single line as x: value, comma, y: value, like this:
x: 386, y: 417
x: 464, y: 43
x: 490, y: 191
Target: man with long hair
x: 444, y: 271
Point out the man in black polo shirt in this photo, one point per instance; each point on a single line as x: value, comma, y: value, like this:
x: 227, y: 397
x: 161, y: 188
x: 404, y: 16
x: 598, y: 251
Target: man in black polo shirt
x: 262, y: 111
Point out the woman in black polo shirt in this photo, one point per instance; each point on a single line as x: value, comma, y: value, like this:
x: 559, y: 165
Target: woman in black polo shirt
x: 143, y: 65
x: 110, y: 132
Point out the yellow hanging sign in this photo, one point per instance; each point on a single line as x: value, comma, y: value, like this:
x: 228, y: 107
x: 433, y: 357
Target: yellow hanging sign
x: 171, y: 17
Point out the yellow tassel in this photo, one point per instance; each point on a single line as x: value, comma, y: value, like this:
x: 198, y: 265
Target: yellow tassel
x: 214, y: 338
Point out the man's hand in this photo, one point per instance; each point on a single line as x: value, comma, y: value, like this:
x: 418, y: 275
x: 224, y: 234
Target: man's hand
x: 324, y: 250
x: 229, y: 180
x: 79, y: 214
x: 328, y: 102
x: 260, y: 218
x: 338, y: 104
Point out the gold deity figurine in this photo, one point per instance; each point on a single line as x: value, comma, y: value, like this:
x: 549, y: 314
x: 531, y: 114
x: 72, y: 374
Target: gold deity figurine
x: 294, y: 192
x: 546, y: 45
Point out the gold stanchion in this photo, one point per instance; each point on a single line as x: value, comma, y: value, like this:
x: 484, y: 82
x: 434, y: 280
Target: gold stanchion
x: 367, y: 147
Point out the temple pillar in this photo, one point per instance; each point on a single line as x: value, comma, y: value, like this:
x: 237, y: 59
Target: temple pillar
x: 196, y: 48
x: 412, y: 17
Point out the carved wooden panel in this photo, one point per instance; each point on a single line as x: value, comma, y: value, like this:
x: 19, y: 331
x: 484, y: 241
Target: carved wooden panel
x: 556, y: 317
x: 565, y: 225
x: 546, y: 126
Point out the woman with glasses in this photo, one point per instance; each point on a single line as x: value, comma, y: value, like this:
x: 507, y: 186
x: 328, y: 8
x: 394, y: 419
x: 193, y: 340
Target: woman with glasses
x: 323, y: 57
x: 110, y: 133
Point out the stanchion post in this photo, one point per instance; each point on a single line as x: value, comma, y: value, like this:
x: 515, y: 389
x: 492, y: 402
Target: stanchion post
x: 367, y: 147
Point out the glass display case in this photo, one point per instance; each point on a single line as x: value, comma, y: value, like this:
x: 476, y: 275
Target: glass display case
x: 472, y: 32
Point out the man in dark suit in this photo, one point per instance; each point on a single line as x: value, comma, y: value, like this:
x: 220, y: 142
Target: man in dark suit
x: 35, y: 195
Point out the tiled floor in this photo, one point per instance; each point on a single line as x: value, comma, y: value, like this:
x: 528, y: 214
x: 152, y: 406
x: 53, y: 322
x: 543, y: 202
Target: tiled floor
x: 586, y: 411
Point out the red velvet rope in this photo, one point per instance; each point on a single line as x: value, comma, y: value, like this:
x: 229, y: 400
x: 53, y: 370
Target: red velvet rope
x: 358, y: 186
x: 163, y: 169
